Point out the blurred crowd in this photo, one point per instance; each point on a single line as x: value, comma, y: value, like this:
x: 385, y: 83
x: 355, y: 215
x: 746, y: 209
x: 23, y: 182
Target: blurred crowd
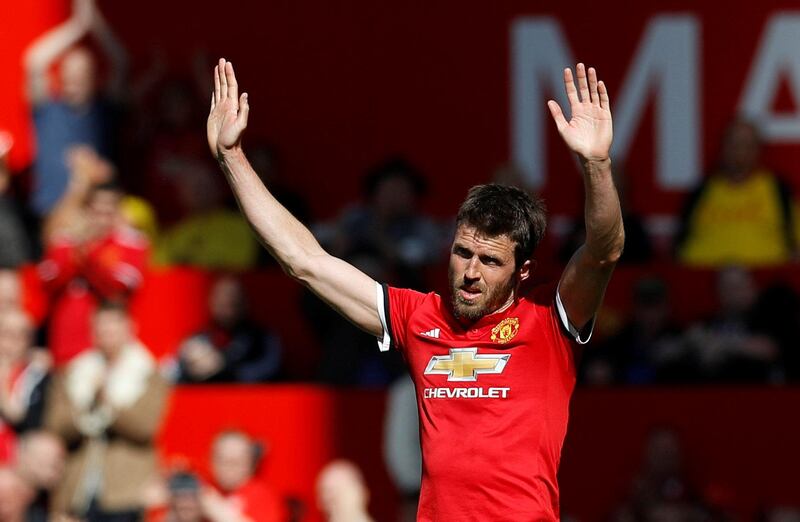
x: 122, y: 183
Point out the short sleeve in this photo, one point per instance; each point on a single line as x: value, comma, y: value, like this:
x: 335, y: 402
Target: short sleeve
x: 548, y: 297
x: 580, y: 336
x: 395, y: 307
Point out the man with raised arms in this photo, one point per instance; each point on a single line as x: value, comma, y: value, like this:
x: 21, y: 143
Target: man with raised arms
x: 493, y: 363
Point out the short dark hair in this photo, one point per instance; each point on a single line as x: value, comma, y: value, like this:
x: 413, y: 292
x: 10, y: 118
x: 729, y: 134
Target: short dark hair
x: 496, y: 210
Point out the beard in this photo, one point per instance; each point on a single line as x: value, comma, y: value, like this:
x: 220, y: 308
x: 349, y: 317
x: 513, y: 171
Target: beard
x: 489, y: 300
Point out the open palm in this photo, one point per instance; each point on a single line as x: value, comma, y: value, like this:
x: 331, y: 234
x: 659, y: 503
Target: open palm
x: 589, y: 132
x: 227, y: 119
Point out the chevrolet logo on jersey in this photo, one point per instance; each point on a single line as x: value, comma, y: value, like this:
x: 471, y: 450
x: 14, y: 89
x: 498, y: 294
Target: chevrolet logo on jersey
x: 464, y: 364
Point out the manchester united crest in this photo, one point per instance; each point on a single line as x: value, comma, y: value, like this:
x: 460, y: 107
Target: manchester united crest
x: 505, y: 330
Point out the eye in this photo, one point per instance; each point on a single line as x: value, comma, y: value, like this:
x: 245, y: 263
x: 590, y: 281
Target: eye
x: 491, y: 261
x: 462, y: 252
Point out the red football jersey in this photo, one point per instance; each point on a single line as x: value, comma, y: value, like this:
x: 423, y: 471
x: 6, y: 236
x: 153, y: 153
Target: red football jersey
x: 493, y: 403
x: 77, y: 276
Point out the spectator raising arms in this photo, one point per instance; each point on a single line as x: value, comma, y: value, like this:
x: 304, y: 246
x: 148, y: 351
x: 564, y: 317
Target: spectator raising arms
x: 91, y: 254
x: 80, y: 114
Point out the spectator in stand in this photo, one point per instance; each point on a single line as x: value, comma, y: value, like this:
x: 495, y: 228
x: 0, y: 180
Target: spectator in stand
x: 189, y: 500
x: 231, y: 348
x: 648, y: 349
x: 740, y: 214
x: 662, y: 489
x: 240, y: 495
x: 184, y: 499
x: 391, y: 222
x: 342, y: 494
x: 11, y: 301
x: 80, y: 114
x: 212, y: 236
x: 731, y: 346
x: 107, y: 406
x: 15, y: 247
x: 23, y: 373
x: 40, y: 463
x: 91, y: 255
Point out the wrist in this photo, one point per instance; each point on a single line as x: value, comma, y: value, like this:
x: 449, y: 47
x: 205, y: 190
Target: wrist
x: 596, y: 165
x: 230, y: 155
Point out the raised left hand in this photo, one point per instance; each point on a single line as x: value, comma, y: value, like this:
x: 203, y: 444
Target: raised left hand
x: 588, y: 133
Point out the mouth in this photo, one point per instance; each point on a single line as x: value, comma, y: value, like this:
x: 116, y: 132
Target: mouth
x: 469, y: 293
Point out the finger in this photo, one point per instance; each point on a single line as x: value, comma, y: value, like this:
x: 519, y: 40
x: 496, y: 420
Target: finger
x: 244, y: 111
x: 216, y: 84
x: 233, y: 86
x: 557, y: 114
x: 583, y: 86
x: 593, y: 86
x: 603, y: 93
x: 569, y: 86
x: 223, y: 82
x: 213, y: 101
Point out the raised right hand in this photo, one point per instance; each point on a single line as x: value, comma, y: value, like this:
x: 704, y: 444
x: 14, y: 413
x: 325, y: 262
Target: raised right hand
x: 227, y: 119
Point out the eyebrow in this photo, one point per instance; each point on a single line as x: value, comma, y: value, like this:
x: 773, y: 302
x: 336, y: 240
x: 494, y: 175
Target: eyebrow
x: 485, y: 258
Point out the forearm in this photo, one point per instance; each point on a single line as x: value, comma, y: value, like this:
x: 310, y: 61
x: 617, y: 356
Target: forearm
x: 286, y: 239
x: 67, y: 210
x: 115, y: 52
x: 345, y: 288
x: 605, y: 234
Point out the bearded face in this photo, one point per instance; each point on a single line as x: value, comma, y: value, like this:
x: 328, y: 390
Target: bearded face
x: 482, y: 272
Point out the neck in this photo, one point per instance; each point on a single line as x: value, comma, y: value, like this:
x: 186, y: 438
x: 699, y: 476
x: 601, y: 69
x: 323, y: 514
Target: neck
x: 506, y: 305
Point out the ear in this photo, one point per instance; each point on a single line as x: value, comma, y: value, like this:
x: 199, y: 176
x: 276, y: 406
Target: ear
x: 526, y: 270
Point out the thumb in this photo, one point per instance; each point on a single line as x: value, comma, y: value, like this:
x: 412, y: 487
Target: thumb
x: 244, y: 110
x: 557, y: 114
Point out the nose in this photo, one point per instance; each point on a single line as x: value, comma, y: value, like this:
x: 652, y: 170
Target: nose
x: 472, y: 273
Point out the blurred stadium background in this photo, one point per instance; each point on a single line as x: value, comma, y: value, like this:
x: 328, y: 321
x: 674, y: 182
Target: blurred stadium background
x: 371, y: 121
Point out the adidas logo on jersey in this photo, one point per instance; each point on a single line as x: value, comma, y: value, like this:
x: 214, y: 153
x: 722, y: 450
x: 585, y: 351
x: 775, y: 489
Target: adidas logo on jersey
x: 432, y: 333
